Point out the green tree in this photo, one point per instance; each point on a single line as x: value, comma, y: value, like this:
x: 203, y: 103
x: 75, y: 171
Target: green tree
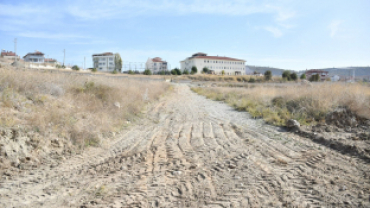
x: 194, y: 70
x: 117, y: 62
x: 178, y: 72
x: 131, y: 72
x: 75, y: 67
x: 286, y: 75
x: 303, y: 76
x: 173, y: 72
x: 268, y: 75
x: 94, y: 70
x: 315, y: 78
x: 223, y: 72
x: 114, y: 72
x: 185, y: 72
x: 293, y: 76
x: 205, y: 70
x: 162, y: 72
x: 147, y: 72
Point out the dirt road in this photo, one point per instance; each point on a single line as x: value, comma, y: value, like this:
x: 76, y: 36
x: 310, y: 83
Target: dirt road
x: 193, y: 152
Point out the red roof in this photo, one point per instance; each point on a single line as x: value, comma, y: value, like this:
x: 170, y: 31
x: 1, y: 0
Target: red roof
x: 218, y: 58
x: 37, y: 53
x: 157, y: 59
x: 50, y: 60
x: 7, y: 53
x: 311, y: 71
x: 103, y: 54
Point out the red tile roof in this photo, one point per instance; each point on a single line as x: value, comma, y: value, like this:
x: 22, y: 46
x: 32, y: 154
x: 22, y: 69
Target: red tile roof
x: 311, y: 71
x: 37, y: 53
x: 103, y: 54
x: 218, y: 58
x: 50, y: 60
x: 7, y: 53
x: 157, y: 59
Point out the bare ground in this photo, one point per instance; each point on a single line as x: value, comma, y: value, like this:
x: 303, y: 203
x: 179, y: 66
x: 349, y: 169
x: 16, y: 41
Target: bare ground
x: 194, y: 152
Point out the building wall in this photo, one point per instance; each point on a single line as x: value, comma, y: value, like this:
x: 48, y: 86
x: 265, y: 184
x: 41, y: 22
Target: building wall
x: 104, y: 63
x: 155, y: 67
x: 34, y: 59
x: 228, y: 66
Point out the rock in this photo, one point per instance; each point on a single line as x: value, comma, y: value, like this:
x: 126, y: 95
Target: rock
x: 117, y: 104
x: 292, y: 123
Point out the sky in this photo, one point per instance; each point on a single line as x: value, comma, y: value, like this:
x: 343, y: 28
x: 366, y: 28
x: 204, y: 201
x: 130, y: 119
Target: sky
x: 287, y: 34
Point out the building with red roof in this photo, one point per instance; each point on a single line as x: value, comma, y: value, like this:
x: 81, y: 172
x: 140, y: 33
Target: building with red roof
x: 156, y: 65
x: 216, y: 64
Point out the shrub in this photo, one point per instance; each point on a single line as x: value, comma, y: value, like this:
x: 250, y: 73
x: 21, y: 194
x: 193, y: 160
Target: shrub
x: 315, y: 78
x: 131, y: 72
x: 293, y: 76
x: 114, y: 72
x: 286, y: 75
x: 147, y: 72
x: 162, y: 72
x: 75, y: 67
x: 268, y: 75
x: 194, y: 70
x: 205, y: 70
x: 303, y: 76
x: 94, y: 70
x: 185, y: 72
x: 252, y: 80
x: 178, y: 72
x: 223, y: 72
x: 173, y: 72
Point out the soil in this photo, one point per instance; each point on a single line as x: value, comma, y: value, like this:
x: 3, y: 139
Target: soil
x: 192, y: 152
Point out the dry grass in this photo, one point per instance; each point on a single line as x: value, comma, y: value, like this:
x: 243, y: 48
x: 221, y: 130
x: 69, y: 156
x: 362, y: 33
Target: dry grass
x: 71, y: 106
x: 307, y: 103
x: 230, y: 79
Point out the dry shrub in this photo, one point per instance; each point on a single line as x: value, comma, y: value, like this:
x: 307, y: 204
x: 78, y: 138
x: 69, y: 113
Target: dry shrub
x: 305, y: 103
x: 72, y: 106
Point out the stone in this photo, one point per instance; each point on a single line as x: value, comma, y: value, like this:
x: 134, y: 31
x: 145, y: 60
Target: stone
x: 117, y: 104
x: 292, y: 123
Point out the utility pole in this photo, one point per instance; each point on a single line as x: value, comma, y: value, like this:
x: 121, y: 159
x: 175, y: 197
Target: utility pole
x: 15, y: 53
x: 84, y: 62
x: 64, y: 59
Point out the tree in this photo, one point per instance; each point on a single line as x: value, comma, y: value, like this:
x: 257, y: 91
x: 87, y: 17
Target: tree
x: 178, y: 72
x: 268, y: 75
x: 223, y: 72
x: 131, y: 72
x: 286, y: 75
x: 147, y: 72
x: 75, y: 67
x: 162, y: 72
x: 315, y: 78
x: 293, y: 76
x: 117, y: 62
x: 194, y: 70
x: 185, y: 72
x: 173, y: 72
x: 93, y: 70
x: 303, y: 76
x: 205, y: 70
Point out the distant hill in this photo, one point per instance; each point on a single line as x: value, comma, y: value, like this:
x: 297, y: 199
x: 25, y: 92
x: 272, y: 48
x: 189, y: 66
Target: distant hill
x: 342, y: 72
x: 263, y: 69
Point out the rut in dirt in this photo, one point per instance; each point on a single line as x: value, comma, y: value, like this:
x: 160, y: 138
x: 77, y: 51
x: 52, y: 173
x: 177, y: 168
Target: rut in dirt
x: 194, y: 152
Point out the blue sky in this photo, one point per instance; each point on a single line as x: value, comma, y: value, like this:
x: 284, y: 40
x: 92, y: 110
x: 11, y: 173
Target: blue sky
x: 288, y: 34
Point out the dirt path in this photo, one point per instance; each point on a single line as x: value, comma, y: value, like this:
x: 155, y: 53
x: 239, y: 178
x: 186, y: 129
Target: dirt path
x: 193, y: 152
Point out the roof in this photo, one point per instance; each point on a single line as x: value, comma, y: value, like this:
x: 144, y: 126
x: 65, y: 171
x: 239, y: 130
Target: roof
x: 199, y: 54
x: 50, y: 60
x: 218, y: 58
x: 103, y: 54
x: 7, y: 53
x: 316, y: 71
x: 157, y: 59
x: 37, y: 53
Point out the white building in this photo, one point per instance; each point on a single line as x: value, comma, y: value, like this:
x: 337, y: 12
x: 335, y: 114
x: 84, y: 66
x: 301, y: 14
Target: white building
x: 216, y: 64
x: 9, y: 55
x: 156, y: 65
x: 335, y: 78
x: 104, y: 61
x: 35, y: 57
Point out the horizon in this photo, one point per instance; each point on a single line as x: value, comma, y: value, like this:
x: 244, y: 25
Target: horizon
x: 283, y: 34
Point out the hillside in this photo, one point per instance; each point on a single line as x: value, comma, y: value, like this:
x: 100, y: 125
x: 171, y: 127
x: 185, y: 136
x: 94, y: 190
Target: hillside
x: 263, y: 69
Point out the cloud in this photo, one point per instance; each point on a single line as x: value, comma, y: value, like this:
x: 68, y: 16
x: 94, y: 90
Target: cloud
x: 276, y: 32
x: 334, y: 27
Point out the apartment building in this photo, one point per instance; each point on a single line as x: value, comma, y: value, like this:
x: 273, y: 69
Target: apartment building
x: 104, y: 61
x: 323, y: 74
x: 9, y: 55
x: 156, y: 65
x: 216, y: 64
x: 34, y: 57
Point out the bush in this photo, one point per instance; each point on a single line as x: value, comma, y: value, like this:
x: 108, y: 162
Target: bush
x: 303, y: 76
x: 293, y: 76
x: 223, y: 72
x: 205, y: 70
x: 286, y: 75
x: 185, y: 72
x: 75, y: 67
x: 178, y: 72
x: 194, y: 70
x: 252, y: 80
x: 315, y: 78
x: 94, y: 70
x: 114, y: 72
x: 147, y: 72
x: 268, y: 75
x: 173, y: 72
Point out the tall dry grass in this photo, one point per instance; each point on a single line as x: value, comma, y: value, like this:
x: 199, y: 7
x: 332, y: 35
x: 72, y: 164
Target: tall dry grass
x: 306, y: 103
x: 230, y: 79
x: 72, y: 106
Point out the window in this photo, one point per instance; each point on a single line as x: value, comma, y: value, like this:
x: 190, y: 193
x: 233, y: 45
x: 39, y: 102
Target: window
x: 102, y: 59
x: 110, y: 59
